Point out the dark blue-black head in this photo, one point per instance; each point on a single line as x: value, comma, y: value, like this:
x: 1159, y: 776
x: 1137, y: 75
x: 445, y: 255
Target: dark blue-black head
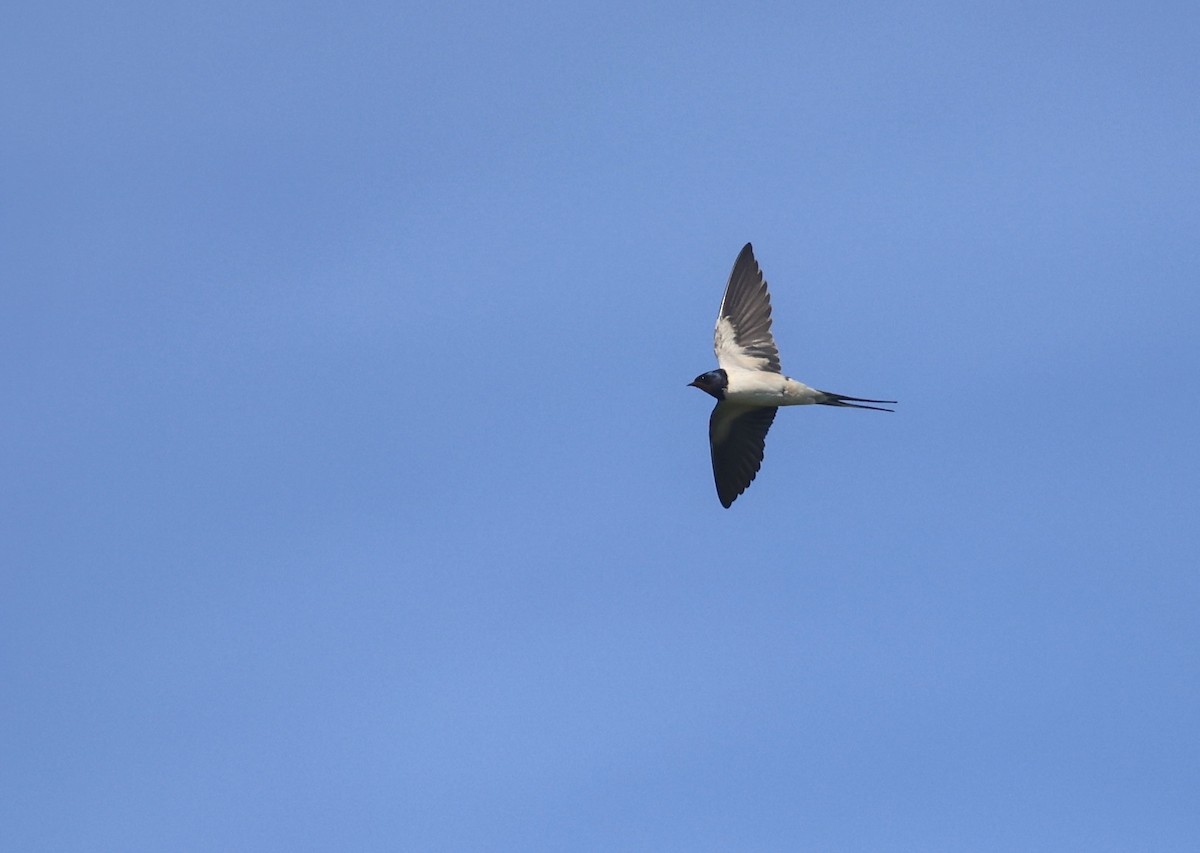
x: 714, y: 382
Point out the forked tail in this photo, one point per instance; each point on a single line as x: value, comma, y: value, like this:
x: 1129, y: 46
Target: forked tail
x: 853, y: 402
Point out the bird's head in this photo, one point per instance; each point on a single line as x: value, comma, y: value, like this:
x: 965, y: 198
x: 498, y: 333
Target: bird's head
x: 714, y: 382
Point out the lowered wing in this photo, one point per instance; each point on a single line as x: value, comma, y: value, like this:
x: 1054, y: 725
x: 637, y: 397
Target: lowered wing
x: 737, y: 437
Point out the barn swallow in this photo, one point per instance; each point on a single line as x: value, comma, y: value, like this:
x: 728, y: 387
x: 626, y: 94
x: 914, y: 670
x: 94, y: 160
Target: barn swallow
x: 749, y: 384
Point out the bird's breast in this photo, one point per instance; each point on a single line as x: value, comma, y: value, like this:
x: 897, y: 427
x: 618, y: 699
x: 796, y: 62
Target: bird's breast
x: 760, y: 388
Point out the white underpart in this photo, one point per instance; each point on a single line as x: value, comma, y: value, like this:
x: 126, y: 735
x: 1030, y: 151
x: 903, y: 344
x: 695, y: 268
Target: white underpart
x: 761, y: 388
x: 750, y: 383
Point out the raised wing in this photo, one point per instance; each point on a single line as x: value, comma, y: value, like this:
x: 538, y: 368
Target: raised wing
x: 737, y: 436
x: 743, y: 337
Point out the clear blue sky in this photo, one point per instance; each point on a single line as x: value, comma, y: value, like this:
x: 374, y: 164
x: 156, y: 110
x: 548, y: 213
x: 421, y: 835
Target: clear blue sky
x: 354, y: 500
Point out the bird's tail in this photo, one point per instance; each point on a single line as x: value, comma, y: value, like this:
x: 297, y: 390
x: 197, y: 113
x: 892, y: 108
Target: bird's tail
x: 853, y: 402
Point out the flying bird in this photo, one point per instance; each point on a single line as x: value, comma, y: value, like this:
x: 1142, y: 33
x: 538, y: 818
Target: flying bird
x: 749, y: 384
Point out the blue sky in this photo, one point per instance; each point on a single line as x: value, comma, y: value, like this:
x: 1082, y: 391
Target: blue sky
x: 355, y: 499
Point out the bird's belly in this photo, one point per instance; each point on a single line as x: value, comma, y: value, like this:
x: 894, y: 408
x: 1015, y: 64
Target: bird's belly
x: 768, y: 389
x: 756, y: 396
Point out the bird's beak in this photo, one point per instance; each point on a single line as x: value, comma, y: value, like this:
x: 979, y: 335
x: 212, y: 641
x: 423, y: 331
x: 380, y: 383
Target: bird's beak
x: 693, y: 384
